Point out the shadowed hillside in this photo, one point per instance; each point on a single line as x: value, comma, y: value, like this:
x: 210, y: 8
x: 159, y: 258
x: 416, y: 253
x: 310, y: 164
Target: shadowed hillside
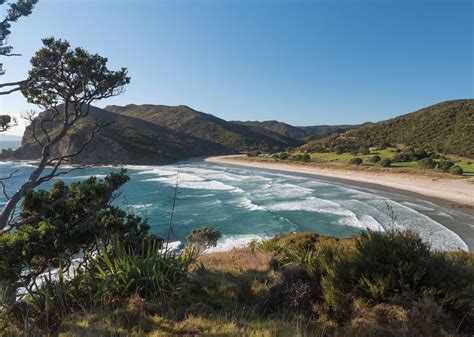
x: 206, y: 126
x: 303, y: 133
x: 447, y: 127
x: 127, y: 140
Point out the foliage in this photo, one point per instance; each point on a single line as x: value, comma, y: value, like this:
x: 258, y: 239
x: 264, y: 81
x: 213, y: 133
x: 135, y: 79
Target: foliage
x: 15, y: 11
x: 427, y: 163
x: 386, y: 162
x: 355, y: 161
x: 87, y: 74
x: 203, y: 238
x: 61, y: 222
x: 147, y: 271
x: 364, y: 151
x: 375, y: 159
x: 442, y: 128
x: 373, y: 284
x: 456, y: 170
x: 374, y: 267
x: 445, y: 165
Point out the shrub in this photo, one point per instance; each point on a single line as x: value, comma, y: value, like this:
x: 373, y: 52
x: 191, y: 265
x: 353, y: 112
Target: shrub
x: 284, y: 156
x: 306, y: 157
x: 54, y: 236
x: 457, y: 170
x: 355, y: 161
x: 386, y: 162
x: 445, y: 165
x: 364, y: 151
x: 427, y: 163
x: 121, y: 271
x: 296, y: 157
x: 255, y: 153
x: 375, y: 159
x: 203, y: 238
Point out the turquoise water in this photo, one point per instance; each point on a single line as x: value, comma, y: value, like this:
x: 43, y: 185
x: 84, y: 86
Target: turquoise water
x: 247, y: 203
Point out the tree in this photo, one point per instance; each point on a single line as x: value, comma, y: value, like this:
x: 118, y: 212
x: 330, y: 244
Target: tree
x: 355, y: 161
x: 203, y: 238
x: 61, y: 223
x: 386, y: 162
x: 64, y: 82
x: 445, y: 165
x: 375, y: 159
x: 456, y: 170
x: 427, y: 163
x: 14, y: 11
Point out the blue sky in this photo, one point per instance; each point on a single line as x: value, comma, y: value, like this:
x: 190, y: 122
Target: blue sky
x: 302, y: 62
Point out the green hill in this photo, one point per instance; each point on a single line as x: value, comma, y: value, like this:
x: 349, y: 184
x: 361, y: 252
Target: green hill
x: 153, y: 134
x: 127, y: 141
x: 185, y: 120
x: 447, y: 128
x: 303, y: 133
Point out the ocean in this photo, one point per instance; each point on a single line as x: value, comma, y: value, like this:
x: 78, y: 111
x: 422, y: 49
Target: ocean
x: 247, y: 203
x: 9, y: 143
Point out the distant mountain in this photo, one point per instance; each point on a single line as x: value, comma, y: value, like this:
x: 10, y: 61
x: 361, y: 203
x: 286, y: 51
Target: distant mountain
x: 185, y: 120
x: 153, y: 134
x: 320, y: 131
x: 303, y: 133
x: 447, y: 127
x: 128, y: 140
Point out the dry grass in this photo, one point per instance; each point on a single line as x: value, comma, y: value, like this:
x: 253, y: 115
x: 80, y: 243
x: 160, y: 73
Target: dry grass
x: 235, y: 261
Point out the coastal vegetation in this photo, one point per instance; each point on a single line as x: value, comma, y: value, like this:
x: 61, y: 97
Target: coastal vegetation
x: 406, y: 160
x: 445, y: 128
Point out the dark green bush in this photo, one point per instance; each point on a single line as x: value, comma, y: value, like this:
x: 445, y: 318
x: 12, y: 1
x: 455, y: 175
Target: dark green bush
x: 457, y: 170
x: 203, y: 238
x: 381, y: 267
x: 355, y: 161
x: 255, y: 153
x: 427, y: 163
x: 386, y: 162
x: 445, y: 165
x: 364, y: 151
x: 375, y: 159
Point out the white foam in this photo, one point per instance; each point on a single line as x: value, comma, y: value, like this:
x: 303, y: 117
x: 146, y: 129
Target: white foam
x: 140, y: 206
x: 228, y: 242
x: 98, y: 176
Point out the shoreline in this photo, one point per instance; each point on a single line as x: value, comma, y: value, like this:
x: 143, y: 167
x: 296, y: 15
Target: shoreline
x: 454, y: 194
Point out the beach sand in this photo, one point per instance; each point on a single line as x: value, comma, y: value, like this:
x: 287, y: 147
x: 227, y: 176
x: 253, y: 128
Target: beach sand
x: 455, y: 193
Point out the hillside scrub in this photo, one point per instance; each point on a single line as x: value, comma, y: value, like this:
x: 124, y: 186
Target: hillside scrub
x: 445, y: 128
x: 373, y: 284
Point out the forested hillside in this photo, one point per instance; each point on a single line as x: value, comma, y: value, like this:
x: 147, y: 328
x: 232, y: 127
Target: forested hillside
x: 304, y: 133
x: 447, y: 128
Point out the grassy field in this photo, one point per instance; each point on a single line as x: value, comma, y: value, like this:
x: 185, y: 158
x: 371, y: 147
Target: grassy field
x: 333, y: 159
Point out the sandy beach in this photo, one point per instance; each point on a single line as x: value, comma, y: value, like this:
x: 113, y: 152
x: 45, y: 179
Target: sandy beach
x: 455, y: 193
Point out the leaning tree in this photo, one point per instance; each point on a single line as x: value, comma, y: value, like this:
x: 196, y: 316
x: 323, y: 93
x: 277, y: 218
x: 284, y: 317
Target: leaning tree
x: 64, y: 82
x: 14, y: 11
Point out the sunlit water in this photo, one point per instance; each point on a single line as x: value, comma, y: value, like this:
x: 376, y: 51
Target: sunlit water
x: 247, y: 203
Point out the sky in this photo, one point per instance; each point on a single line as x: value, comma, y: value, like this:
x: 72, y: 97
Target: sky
x: 301, y: 62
